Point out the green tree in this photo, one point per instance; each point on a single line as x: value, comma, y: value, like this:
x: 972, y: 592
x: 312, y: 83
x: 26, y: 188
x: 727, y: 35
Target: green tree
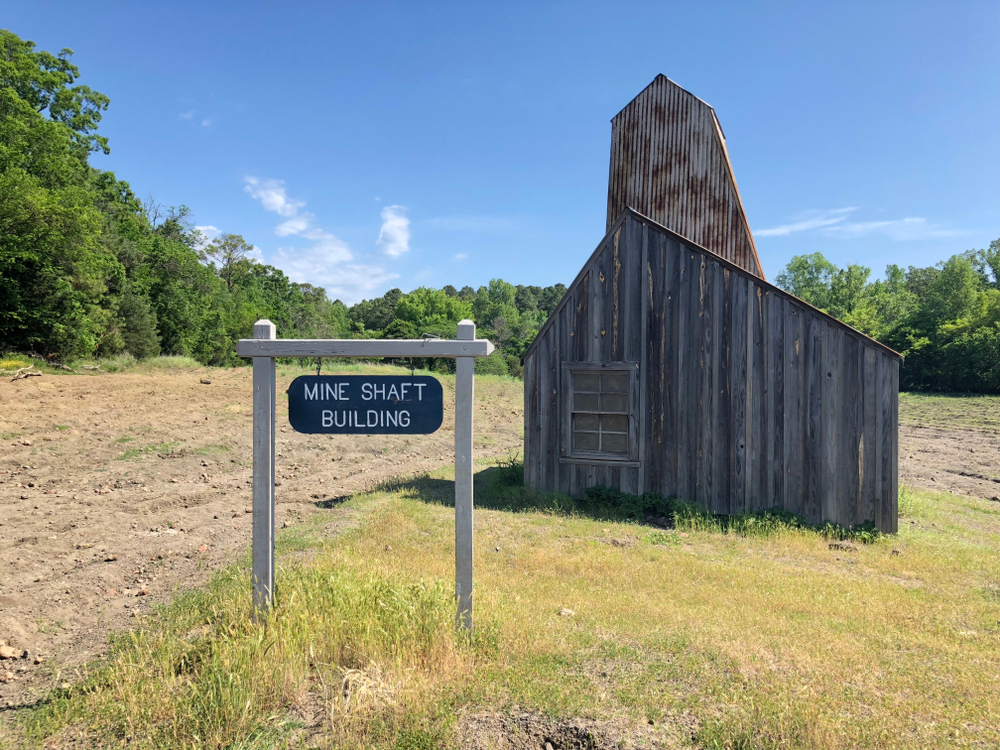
x: 230, y: 252
x: 808, y: 277
x: 44, y: 82
x: 432, y: 311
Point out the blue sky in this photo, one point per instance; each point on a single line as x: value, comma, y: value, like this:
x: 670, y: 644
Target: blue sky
x: 362, y: 146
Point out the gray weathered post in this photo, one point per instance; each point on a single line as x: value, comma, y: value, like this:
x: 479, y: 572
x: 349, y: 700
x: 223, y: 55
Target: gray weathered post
x: 263, y: 474
x: 464, y: 387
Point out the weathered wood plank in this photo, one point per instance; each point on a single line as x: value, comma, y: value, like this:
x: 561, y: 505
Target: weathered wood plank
x: 706, y: 385
x: 831, y: 412
x: 795, y: 411
x: 739, y: 288
x: 776, y: 401
x: 757, y: 489
x: 617, y: 351
x: 881, y: 495
x: 564, y: 342
x: 633, y: 292
x: 548, y: 424
x: 723, y: 395
x: 656, y: 364
x: 645, y: 296
x: 579, y: 334
x: 869, y: 434
x: 595, y: 303
x: 851, y: 445
x: 892, y: 521
x: 685, y: 353
x: 531, y: 419
x: 671, y: 394
x: 813, y: 464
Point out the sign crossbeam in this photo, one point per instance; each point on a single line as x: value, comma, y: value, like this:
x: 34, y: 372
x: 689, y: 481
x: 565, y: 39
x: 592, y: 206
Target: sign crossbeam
x: 449, y: 348
x: 264, y: 348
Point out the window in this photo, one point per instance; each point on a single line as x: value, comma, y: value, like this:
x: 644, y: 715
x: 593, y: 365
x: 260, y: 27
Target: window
x: 600, y: 406
x: 600, y: 412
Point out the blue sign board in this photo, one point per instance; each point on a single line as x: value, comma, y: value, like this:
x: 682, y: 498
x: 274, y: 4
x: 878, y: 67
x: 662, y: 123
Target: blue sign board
x: 365, y: 404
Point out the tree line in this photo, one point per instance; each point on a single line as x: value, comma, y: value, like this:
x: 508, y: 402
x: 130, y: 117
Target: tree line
x: 944, y: 319
x: 87, y: 269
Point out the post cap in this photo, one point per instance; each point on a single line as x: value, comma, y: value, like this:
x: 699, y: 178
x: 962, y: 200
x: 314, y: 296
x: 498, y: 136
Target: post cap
x: 466, y: 330
x: 263, y: 329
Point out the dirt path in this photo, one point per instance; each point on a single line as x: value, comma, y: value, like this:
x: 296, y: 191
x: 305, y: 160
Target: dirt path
x: 118, y: 490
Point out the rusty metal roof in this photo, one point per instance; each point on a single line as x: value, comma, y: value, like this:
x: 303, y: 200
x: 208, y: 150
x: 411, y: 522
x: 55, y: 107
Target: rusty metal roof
x: 669, y: 162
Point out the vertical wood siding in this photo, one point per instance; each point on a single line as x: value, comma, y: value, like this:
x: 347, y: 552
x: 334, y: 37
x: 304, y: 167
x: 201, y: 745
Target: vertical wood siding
x: 750, y: 399
x: 669, y: 162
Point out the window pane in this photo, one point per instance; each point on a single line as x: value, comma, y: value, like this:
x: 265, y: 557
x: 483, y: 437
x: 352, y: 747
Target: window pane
x: 585, y: 381
x: 614, y: 383
x: 614, y: 442
x: 613, y: 402
x: 585, y: 441
x: 585, y: 401
x: 585, y: 422
x: 614, y: 424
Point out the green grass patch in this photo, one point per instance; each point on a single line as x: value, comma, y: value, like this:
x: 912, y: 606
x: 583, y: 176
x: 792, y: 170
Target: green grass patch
x: 134, y: 454
x: 501, y: 488
x: 10, y: 363
x: 213, y: 448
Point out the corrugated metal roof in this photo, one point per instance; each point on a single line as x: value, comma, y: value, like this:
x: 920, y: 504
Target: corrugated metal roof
x: 669, y: 162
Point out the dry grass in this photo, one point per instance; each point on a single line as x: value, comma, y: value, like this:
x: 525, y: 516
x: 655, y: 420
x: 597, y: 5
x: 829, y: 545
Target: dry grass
x: 950, y: 410
x: 771, y: 641
x: 722, y: 640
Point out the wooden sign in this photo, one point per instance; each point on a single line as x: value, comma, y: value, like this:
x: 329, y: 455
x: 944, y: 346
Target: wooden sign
x: 360, y: 404
x: 365, y: 404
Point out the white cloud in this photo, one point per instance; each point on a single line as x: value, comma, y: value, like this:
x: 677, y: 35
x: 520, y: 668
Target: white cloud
x: 394, y: 237
x: 836, y: 223
x: 327, y: 261
x: 461, y: 256
x: 207, y: 121
x: 271, y: 194
x: 295, y: 225
x: 187, y: 115
x: 900, y: 230
x: 314, y: 265
x: 473, y: 223
x: 812, y: 220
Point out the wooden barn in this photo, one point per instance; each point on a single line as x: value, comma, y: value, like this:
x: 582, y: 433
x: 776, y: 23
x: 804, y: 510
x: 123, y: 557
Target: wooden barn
x: 672, y: 366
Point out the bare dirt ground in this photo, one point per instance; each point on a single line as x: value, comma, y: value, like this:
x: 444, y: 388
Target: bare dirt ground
x: 118, y: 490
x: 963, y: 461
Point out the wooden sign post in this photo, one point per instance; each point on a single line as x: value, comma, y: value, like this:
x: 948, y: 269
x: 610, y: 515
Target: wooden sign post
x: 264, y: 348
